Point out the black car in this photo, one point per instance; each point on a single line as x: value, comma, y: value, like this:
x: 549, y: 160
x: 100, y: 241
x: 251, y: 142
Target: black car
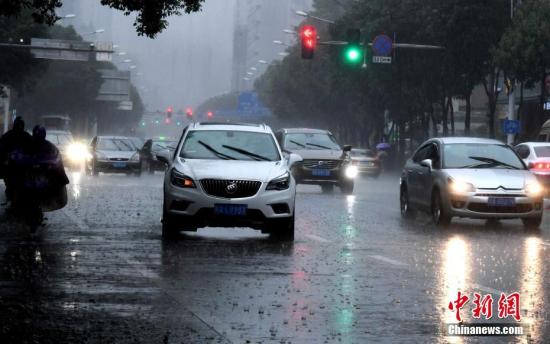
x: 325, y: 163
x: 148, y: 154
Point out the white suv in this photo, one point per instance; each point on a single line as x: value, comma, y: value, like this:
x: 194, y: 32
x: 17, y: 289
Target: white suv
x: 228, y: 175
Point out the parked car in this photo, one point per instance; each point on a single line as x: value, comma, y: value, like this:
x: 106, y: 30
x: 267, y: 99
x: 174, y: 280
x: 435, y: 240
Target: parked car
x: 536, y: 155
x: 228, y: 175
x: 148, y: 154
x: 325, y: 162
x: 367, y: 162
x: 470, y: 177
x: 113, y: 154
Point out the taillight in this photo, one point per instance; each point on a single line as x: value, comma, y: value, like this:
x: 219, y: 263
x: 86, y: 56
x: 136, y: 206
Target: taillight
x: 539, y: 165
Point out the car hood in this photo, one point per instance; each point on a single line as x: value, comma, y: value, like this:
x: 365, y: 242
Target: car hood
x: 486, y: 178
x: 263, y: 171
x: 117, y: 154
x: 319, y: 154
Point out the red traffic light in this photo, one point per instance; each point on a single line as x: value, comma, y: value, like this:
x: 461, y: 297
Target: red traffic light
x: 210, y: 114
x: 169, y: 112
x: 189, y: 112
x: 308, y: 37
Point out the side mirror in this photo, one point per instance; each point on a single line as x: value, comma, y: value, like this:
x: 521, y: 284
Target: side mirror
x: 293, y: 159
x: 523, y: 152
x: 164, y: 157
x: 427, y: 163
x: 346, y: 148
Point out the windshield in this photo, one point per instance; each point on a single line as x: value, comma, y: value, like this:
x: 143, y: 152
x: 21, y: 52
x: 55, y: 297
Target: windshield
x: 116, y: 145
x: 542, y: 151
x: 475, y: 155
x: 313, y: 141
x: 229, y: 145
x: 58, y: 139
x: 362, y: 153
x: 161, y: 145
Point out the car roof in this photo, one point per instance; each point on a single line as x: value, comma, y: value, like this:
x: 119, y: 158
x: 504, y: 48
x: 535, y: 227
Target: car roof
x: 305, y: 130
x: 535, y: 144
x: 257, y: 128
x: 451, y: 140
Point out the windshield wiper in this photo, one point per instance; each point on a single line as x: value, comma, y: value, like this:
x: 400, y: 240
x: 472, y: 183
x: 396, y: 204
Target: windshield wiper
x: 316, y: 145
x: 218, y: 154
x: 247, y: 153
x: 489, y: 162
x: 297, y: 143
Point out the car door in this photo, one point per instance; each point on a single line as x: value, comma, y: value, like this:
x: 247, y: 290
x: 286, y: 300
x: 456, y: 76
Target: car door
x: 426, y: 176
x: 413, y: 170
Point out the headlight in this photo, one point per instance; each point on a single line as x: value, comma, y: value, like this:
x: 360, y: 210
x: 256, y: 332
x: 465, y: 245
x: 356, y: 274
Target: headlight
x: 100, y: 156
x: 280, y: 183
x: 534, y: 189
x: 77, y: 152
x: 460, y: 187
x: 181, y: 180
x: 351, y: 171
x: 135, y: 157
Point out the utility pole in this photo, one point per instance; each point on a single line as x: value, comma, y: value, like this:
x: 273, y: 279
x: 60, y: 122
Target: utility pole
x: 6, y: 109
x: 511, y: 94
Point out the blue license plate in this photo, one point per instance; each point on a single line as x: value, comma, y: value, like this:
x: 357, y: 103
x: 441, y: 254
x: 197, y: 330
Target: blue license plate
x: 320, y: 172
x: 368, y: 163
x: 230, y: 209
x: 502, y: 201
x: 119, y: 164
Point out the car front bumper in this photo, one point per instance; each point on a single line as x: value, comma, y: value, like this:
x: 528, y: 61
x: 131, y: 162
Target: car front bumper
x: 196, y: 208
x: 476, y: 205
x: 118, y: 166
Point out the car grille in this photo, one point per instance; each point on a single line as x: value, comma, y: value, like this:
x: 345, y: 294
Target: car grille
x: 119, y: 159
x: 329, y: 164
x: 219, y: 188
x: 485, y: 208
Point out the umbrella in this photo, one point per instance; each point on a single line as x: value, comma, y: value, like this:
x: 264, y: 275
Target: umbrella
x: 383, y: 145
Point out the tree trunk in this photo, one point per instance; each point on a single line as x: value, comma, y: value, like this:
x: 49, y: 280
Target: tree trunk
x: 468, y: 114
x: 452, y: 111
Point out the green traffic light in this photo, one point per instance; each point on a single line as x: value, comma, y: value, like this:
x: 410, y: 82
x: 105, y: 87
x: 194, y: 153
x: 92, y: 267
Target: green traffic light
x: 354, y: 55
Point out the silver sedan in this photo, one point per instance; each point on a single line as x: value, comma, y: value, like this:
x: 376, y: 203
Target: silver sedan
x: 469, y: 177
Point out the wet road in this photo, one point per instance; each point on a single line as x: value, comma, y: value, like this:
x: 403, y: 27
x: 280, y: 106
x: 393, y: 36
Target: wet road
x: 99, y: 272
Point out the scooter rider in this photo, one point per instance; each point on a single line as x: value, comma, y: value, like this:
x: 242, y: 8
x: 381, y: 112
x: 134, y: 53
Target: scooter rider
x: 12, y: 142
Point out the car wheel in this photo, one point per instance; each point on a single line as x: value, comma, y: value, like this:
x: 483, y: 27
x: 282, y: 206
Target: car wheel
x: 282, y: 230
x: 532, y: 223
x: 327, y: 188
x: 347, y: 187
x: 440, y: 216
x: 406, y: 211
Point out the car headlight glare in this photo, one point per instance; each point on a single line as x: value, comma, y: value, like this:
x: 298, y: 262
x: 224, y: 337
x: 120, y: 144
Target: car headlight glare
x: 280, y: 183
x: 181, y: 180
x: 77, y: 152
x: 351, y: 171
x: 460, y: 187
x: 534, y: 189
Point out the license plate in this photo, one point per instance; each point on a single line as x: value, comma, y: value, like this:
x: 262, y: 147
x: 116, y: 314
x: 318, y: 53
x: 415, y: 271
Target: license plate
x: 230, y: 209
x: 320, y: 172
x: 502, y: 201
x: 119, y: 164
x: 368, y: 163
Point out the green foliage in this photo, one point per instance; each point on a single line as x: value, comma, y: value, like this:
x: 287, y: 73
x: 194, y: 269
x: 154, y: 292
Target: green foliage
x: 150, y: 15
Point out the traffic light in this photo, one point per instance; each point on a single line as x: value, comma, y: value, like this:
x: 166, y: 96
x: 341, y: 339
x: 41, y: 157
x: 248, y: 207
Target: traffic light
x: 189, y: 112
x: 169, y: 112
x: 308, y: 37
x: 353, y: 52
x: 210, y: 114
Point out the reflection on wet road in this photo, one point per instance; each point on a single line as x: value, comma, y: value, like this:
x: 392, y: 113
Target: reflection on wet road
x: 356, y: 273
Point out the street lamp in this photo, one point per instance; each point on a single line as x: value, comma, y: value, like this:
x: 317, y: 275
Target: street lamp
x: 96, y: 32
x: 262, y: 61
x: 249, y: 73
x: 290, y: 32
x: 68, y: 16
x: 133, y: 67
x: 307, y: 15
x: 283, y: 53
x: 253, y: 68
x: 281, y: 43
x: 127, y: 61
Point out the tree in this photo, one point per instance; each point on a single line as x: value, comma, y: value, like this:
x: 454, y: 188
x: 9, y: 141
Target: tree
x: 150, y: 19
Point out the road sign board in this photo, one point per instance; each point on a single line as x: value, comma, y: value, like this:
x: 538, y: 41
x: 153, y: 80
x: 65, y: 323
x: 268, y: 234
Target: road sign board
x: 382, y: 45
x: 510, y: 126
x: 104, y: 54
x: 57, y: 49
x: 115, y: 86
x: 381, y: 59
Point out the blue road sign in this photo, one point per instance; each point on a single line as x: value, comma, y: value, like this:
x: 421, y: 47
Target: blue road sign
x: 510, y: 126
x: 382, y: 45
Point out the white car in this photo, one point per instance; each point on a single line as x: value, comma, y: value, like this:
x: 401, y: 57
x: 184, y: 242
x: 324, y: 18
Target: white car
x: 113, y: 154
x: 536, y: 155
x: 229, y: 175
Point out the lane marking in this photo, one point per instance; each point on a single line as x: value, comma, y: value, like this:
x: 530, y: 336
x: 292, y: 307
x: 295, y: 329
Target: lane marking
x: 317, y: 238
x: 389, y: 260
